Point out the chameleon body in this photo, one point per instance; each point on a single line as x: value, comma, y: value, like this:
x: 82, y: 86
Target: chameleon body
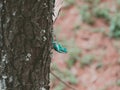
x: 58, y: 47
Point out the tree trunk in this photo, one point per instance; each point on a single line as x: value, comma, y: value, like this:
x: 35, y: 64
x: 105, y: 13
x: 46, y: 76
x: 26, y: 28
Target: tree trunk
x: 25, y: 44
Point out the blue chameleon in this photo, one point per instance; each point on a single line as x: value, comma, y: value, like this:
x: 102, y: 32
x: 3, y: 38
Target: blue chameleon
x: 59, y: 48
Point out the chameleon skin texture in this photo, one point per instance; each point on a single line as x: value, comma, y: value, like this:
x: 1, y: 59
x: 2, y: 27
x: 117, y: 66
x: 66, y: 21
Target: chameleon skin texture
x: 59, y: 48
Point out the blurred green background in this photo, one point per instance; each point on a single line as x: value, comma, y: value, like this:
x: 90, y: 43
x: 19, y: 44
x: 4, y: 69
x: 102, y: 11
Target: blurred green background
x: 90, y: 30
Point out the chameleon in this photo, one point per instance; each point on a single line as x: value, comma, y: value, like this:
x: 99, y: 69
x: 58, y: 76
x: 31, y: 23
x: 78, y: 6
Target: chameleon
x: 56, y: 46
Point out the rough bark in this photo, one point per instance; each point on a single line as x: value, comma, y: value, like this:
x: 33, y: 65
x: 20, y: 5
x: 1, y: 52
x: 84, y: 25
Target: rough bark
x: 25, y: 44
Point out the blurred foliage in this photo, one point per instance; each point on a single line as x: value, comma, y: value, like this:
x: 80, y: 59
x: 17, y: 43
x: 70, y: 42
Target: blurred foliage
x: 68, y: 3
x: 71, y: 78
x: 93, y: 1
x: 118, y: 82
x: 115, y: 26
x: 86, y: 60
x: 59, y: 87
x: 99, y: 65
x: 91, y: 11
x: 66, y: 76
x: 102, y: 13
x: 70, y: 63
x: 57, y: 31
x: 88, y: 11
x: 118, y: 2
x: 87, y: 16
x: 74, y: 52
